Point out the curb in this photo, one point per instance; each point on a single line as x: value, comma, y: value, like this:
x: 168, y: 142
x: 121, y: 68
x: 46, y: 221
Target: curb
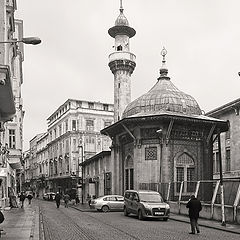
x: 178, y: 220
x: 207, y: 226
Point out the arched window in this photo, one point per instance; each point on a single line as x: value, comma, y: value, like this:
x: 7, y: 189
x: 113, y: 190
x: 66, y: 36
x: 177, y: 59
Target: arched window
x: 185, y: 171
x: 129, y: 180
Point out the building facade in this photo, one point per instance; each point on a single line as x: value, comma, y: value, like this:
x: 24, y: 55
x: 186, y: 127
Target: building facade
x: 97, y: 175
x: 230, y: 144
x: 11, y: 58
x: 73, y: 136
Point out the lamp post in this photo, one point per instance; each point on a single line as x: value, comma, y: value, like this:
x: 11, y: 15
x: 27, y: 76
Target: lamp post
x: 27, y: 40
x: 80, y: 146
x: 160, y: 135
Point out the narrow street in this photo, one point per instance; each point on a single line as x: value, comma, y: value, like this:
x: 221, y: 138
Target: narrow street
x: 69, y: 223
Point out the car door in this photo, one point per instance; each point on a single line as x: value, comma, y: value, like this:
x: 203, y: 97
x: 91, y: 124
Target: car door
x: 112, y: 202
x: 120, y: 202
x: 135, y: 203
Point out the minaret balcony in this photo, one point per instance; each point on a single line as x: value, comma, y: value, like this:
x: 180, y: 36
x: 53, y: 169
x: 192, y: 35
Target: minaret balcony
x: 121, y: 55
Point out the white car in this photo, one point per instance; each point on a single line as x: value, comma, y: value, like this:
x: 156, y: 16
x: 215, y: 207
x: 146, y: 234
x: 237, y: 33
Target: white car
x: 108, y: 203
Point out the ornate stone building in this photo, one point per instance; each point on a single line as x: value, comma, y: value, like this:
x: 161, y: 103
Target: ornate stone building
x: 162, y: 136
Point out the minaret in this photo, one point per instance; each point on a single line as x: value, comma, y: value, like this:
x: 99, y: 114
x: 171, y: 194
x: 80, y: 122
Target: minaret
x: 122, y: 63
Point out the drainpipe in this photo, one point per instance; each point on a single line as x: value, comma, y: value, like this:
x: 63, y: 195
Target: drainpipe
x: 221, y: 180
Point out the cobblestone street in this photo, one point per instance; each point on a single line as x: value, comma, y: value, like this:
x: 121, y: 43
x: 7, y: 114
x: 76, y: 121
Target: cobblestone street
x: 69, y: 223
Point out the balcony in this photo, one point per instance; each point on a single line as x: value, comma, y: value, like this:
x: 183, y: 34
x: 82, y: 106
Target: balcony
x: 14, y: 158
x: 121, y: 55
x: 7, y: 105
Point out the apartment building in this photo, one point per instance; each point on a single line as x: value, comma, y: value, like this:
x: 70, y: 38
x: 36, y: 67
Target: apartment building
x: 11, y: 112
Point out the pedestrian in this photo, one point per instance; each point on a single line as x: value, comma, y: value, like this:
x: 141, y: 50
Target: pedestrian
x: 89, y: 199
x: 194, y: 206
x: 1, y: 217
x: 77, y: 199
x: 22, y: 198
x: 66, y: 199
x: 29, y: 197
x: 57, y: 199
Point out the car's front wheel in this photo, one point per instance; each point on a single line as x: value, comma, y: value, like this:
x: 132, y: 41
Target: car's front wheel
x: 140, y: 215
x: 125, y: 211
x: 105, y: 208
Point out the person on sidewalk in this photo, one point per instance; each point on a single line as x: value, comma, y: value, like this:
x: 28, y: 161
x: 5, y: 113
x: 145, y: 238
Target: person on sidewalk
x: 66, y: 199
x: 29, y: 197
x: 194, y: 206
x: 22, y: 198
x: 57, y: 199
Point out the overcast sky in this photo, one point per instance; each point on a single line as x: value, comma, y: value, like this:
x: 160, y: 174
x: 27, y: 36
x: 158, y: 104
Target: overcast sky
x: 202, y: 39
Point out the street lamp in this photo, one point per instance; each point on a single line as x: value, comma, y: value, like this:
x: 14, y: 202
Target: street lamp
x: 27, y: 40
x: 81, y: 148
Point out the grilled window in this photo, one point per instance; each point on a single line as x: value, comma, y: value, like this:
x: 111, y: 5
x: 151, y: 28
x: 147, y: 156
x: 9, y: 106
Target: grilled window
x: 12, y: 138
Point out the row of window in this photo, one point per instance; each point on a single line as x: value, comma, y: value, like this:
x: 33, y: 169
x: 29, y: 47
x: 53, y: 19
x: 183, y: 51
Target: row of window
x: 64, y: 127
x: 65, y: 108
x: 227, y: 163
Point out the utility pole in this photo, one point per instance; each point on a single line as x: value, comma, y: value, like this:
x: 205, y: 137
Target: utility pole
x: 80, y: 147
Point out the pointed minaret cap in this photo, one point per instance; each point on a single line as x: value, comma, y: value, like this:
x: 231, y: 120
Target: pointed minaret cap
x: 121, y: 20
x: 121, y: 26
x: 163, y: 70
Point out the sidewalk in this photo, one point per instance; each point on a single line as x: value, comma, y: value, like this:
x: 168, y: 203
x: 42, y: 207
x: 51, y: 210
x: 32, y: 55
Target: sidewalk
x: 233, y: 228
x: 21, y: 223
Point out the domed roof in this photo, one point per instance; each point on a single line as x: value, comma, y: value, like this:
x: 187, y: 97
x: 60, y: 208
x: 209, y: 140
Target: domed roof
x: 121, y: 19
x: 163, y: 97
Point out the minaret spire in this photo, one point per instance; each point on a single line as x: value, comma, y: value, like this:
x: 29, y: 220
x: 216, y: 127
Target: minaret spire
x: 122, y: 63
x: 121, y: 7
x: 163, y: 69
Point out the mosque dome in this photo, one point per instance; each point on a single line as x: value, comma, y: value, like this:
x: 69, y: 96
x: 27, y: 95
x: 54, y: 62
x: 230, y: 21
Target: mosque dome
x: 163, y: 97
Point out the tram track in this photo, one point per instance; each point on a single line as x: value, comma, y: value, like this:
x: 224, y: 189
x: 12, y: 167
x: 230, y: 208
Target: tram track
x: 72, y: 228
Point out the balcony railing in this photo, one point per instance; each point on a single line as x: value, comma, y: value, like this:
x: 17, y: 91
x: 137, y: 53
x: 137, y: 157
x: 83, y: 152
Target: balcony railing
x: 122, y: 55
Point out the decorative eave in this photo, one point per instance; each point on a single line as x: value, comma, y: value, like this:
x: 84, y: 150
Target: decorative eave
x: 221, y: 125
x: 7, y: 104
x: 121, y: 30
x: 231, y: 106
x: 95, y: 157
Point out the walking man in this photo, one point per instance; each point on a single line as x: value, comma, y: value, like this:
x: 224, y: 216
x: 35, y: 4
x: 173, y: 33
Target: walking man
x: 194, y: 206
x: 66, y: 199
x: 57, y: 199
x: 22, y: 198
x: 29, y: 197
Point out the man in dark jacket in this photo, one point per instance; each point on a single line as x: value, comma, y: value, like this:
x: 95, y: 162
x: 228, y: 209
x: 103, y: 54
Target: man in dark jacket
x: 57, y: 199
x: 22, y: 198
x: 195, y: 207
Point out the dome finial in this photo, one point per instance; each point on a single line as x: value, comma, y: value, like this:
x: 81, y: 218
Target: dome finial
x: 163, y: 69
x: 121, y: 7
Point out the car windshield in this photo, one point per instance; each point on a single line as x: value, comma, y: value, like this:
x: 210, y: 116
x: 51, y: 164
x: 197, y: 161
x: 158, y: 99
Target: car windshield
x: 150, y: 197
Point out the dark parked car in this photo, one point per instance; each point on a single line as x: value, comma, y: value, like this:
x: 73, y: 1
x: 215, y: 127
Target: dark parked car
x: 145, y: 204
